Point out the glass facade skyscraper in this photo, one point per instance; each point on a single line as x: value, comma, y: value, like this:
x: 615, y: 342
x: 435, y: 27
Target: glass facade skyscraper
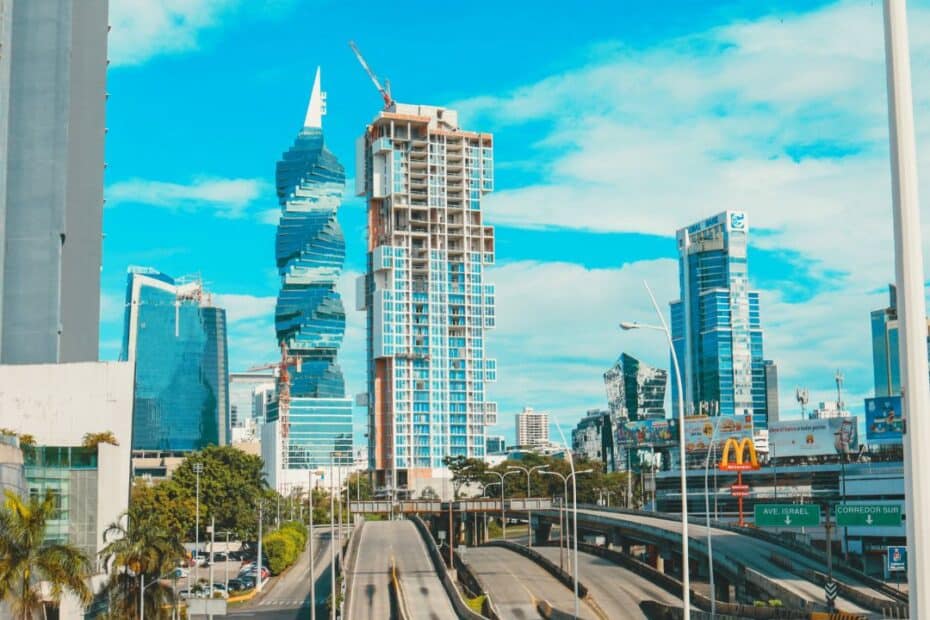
x: 177, y: 340
x: 429, y: 305
x: 886, y: 364
x: 309, y: 317
x: 635, y: 391
x: 716, y: 328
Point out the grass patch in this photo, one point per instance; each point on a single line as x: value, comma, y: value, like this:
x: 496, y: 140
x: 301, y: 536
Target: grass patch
x: 476, y: 604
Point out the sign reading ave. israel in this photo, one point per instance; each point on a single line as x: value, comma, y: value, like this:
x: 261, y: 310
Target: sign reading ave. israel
x: 787, y: 515
x: 868, y: 515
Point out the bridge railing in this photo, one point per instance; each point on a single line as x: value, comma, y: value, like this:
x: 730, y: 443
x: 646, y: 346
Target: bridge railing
x: 420, y: 506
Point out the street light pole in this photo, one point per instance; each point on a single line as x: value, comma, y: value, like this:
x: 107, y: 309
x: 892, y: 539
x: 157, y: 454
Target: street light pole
x: 503, y: 514
x: 710, y: 539
x: 310, y: 542
x: 332, y: 538
x: 529, y: 512
x: 685, y: 577
x: 561, y: 508
x: 912, y: 311
x: 198, y: 469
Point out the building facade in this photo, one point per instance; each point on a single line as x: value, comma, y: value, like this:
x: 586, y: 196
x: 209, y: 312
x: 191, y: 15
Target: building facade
x: 53, y: 62
x: 309, y: 315
x: 771, y: 390
x: 176, y: 340
x: 635, y: 391
x: 716, y: 327
x: 495, y: 444
x: 593, y: 438
x: 532, y: 428
x: 429, y: 306
x: 244, y: 389
x: 886, y: 365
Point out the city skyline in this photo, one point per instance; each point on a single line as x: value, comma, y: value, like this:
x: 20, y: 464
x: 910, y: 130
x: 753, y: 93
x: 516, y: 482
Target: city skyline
x: 804, y: 279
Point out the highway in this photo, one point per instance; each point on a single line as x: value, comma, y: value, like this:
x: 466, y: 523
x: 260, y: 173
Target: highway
x: 288, y: 597
x: 751, y: 552
x: 380, y: 542
x: 617, y: 591
x: 515, y: 584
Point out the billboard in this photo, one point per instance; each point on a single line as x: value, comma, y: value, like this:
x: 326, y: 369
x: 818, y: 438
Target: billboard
x: 656, y: 432
x: 884, y: 419
x: 701, y: 429
x: 813, y: 437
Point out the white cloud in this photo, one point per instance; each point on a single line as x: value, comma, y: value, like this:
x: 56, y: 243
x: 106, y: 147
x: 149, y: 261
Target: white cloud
x: 650, y: 140
x: 143, y: 29
x: 226, y: 197
x: 245, y: 307
x: 112, y: 307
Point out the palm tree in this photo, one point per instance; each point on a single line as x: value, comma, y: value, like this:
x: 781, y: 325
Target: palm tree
x: 138, y: 548
x: 26, y: 561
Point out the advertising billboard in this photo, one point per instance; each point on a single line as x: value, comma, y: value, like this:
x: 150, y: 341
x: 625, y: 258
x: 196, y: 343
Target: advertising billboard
x: 884, y: 421
x: 700, y: 430
x: 657, y: 432
x: 813, y: 437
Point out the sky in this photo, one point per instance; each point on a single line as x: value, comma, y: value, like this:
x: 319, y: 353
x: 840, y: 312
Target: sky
x: 615, y: 123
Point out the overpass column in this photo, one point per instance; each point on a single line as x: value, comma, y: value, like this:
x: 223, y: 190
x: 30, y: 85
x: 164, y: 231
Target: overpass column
x: 722, y: 587
x: 541, y: 533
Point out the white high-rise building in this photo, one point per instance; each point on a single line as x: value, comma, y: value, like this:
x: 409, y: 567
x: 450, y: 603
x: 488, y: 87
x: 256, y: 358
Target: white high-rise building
x: 532, y: 428
x: 428, y: 304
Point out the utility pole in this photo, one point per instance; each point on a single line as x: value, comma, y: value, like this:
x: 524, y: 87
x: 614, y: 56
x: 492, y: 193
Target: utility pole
x: 912, y: 307
x: 212, y: 542
x: 828, y: 526
x: 310, y: 542
x: 258, y: 560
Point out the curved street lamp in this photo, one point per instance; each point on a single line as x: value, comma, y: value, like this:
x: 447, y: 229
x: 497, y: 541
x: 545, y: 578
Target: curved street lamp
x: 663, y: 327
x: 529, y: 512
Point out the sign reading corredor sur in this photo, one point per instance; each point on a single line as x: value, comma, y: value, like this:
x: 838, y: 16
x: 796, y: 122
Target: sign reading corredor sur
x: 868, y: 515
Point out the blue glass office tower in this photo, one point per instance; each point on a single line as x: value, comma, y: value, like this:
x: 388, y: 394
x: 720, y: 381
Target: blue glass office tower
x: 177, y: 341
x: 716, y: 329
x: 886, y: 364
x: 309, y: 316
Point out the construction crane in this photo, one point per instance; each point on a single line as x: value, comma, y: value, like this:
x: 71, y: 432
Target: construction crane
x: 384, y: 90
x: 284, y: 392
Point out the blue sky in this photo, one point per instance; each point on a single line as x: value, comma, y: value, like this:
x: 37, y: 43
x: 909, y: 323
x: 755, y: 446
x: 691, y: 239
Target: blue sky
x: 615, y: 123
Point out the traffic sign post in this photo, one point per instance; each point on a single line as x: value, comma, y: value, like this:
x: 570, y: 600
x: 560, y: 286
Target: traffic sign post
x: 868, y: 515
x: 830, y: 590
x: 897, y: 559
x: 787, y: 515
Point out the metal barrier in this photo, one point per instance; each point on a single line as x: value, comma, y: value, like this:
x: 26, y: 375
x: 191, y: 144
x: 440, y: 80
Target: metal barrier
x: 562, y: 575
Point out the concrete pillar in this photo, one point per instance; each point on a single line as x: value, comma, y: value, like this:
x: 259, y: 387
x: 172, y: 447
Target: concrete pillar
x: 541, y: 533
x: 721, y: 588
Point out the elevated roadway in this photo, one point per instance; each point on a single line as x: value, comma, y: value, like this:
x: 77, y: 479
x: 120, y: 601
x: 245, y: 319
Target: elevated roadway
x: 382, y: 541
x: 732, y: 551
x: 516, y: 584
x: 616, y: 590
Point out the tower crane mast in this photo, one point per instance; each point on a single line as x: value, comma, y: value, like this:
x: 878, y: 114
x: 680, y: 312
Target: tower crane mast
x: 284, y: 392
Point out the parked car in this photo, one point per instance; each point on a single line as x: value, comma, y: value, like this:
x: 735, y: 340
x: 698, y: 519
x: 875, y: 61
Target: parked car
x: 178, y: 573
x: 247, y: 581
x: 251, y: 572
x: 219, y: 556
x: 237, y: 585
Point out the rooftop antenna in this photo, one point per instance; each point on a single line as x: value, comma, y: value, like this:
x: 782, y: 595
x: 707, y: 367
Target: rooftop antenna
x: 838, y: 377
x: 803, y: 396
x: 384, y: 90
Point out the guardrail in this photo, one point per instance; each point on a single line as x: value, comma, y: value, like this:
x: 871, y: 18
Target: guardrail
x: 462, y: 610
x: 349, y: 569
x: 674, y: 587
x: 839, y: 565
x: 472, y: 582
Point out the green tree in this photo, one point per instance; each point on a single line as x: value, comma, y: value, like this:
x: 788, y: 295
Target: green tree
x: 360, y: 486
x: 26, y: 561
x: 136, y: 549
x: 231, y: 486
x: 92, y: 440
x: 165, y: 503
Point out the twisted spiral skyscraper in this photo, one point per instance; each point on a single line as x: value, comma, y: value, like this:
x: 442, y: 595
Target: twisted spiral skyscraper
x: 309, y: 316
x: 310, y: 252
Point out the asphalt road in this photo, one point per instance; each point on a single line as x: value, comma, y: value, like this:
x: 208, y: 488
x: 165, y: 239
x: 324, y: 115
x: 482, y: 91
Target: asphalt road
x: 754, y: 553
x: 617, y: 591
x: 288, y: 597
x: 515, y: 584
x: 381, y: 542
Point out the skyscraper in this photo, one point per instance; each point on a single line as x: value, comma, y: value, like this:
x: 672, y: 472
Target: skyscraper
x: 177, y: 340
x: 635, y: 390
x: 532, y: 428
x: 771, y: 390
x: 53, y: 61
x: 716, y: 328
x: 428, y: 304
x: 309, y: 316
x: 593, y: 438
x: 886, y: 365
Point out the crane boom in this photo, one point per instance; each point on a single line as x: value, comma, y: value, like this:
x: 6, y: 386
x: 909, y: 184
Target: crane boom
x: 384, y: 90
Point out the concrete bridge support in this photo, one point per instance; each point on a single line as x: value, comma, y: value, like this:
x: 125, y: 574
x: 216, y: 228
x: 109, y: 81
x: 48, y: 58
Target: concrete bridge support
x: 541, y: 533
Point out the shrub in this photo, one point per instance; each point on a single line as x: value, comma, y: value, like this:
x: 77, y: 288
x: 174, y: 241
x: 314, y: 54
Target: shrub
x: 281, y: 550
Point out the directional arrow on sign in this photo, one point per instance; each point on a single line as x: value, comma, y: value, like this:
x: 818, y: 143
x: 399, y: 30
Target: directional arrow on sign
x: 830, y: 590
x: 788, y: 520
x: 868, y: 520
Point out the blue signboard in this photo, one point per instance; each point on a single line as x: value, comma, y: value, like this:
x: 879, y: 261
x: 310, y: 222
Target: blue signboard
x: 884, y: 420
x: 897, y: 559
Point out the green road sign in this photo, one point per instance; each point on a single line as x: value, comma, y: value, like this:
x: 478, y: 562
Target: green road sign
x: 868, y: 515
x: 787, y: 515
